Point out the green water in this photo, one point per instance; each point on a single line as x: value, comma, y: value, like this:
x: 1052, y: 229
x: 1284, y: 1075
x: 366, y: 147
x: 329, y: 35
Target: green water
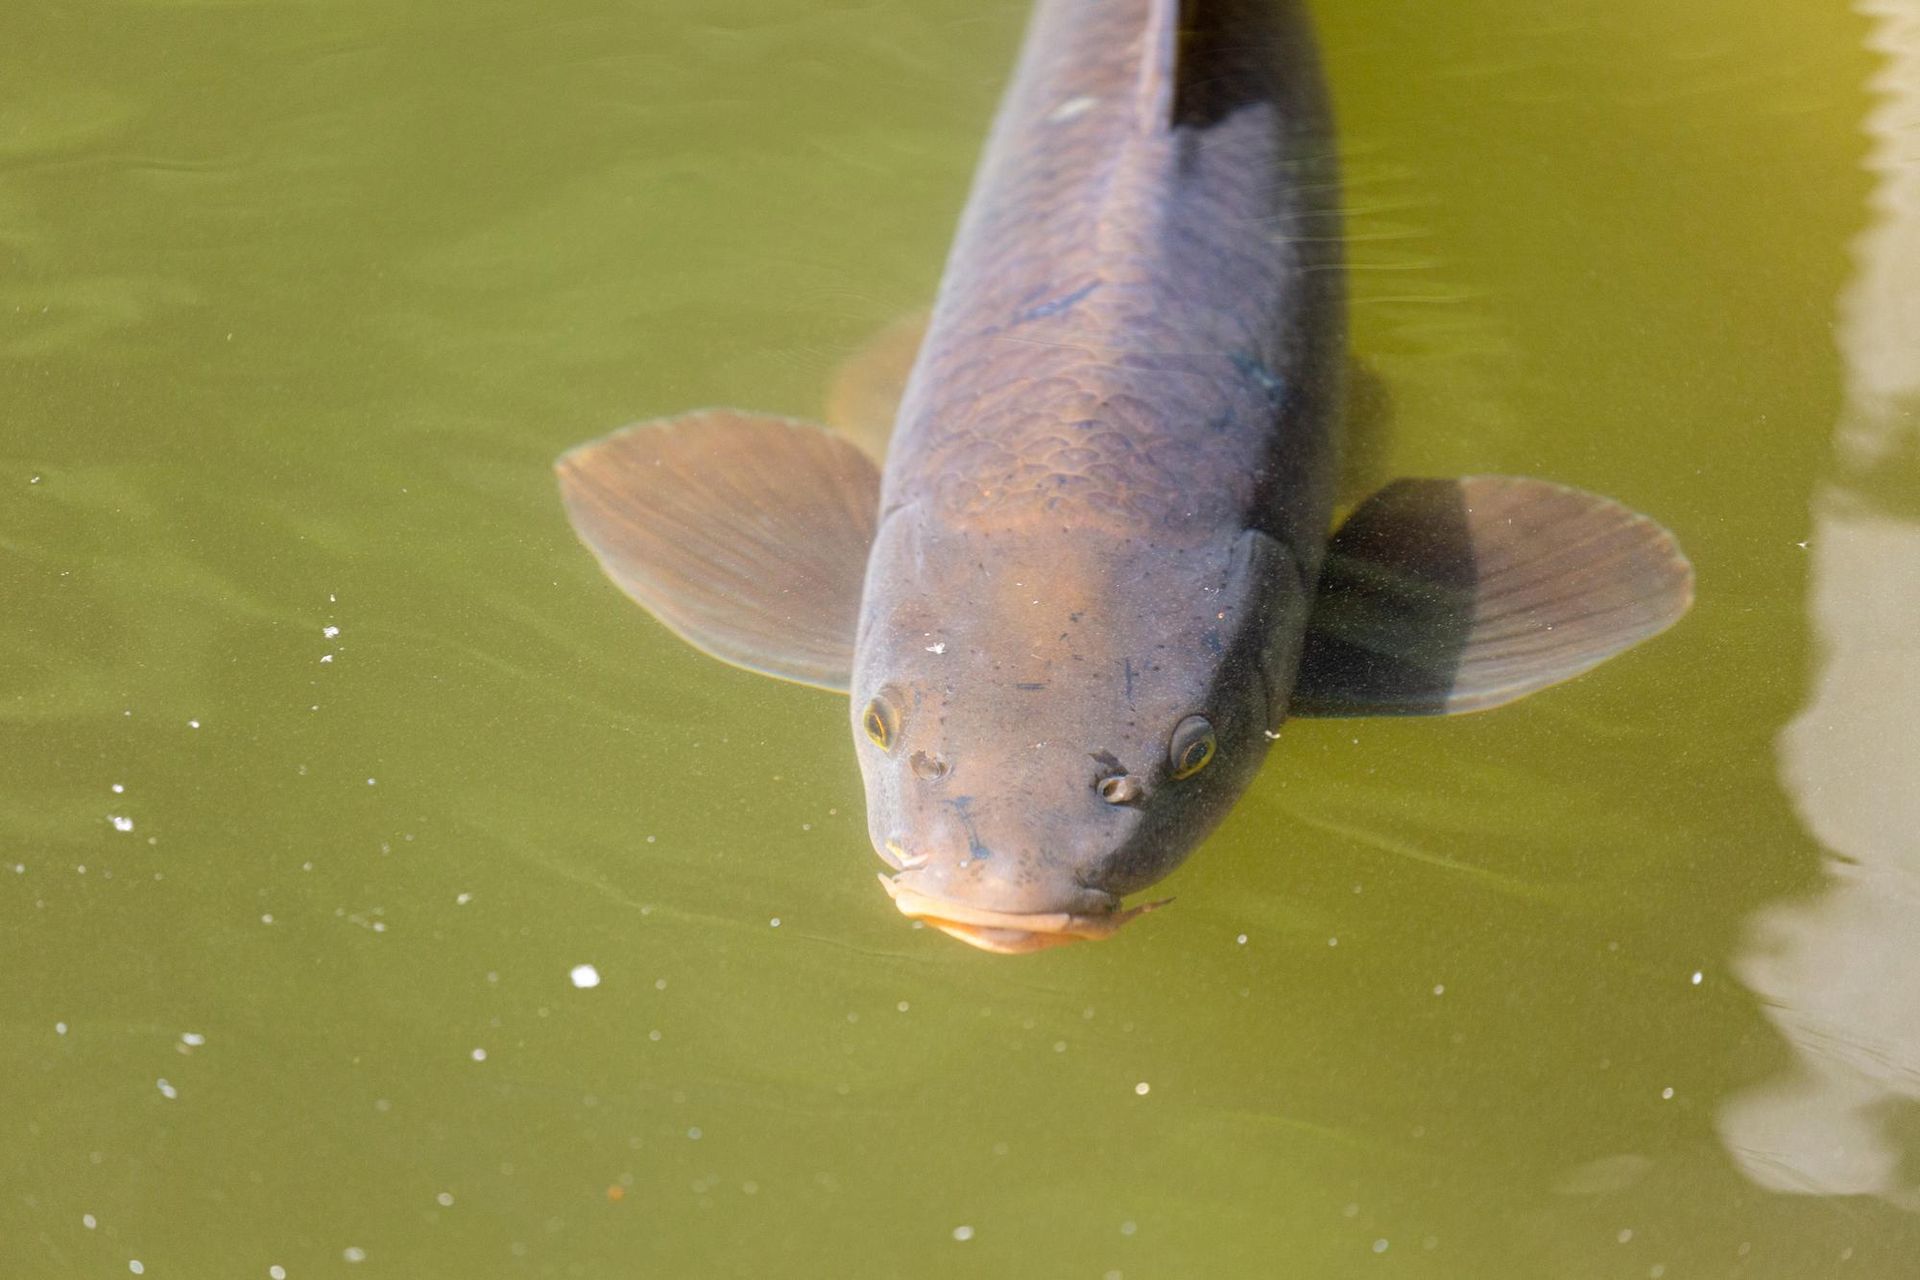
x: 297, y: 302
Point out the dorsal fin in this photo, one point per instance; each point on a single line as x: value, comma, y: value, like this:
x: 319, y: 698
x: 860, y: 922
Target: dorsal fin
x: 1160, y: 64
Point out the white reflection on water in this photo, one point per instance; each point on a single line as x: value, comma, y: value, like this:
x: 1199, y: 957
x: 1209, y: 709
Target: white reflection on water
x: 1840, y: 974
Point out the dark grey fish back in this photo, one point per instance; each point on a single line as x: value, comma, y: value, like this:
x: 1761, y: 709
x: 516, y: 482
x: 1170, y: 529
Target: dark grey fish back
x: 1140, y: 323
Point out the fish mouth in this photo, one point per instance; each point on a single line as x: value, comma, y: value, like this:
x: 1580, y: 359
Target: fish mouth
x: 1010, y: 933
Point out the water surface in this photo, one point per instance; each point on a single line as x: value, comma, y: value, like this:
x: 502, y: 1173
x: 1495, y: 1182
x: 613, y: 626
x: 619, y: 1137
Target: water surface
x: 326, y: 755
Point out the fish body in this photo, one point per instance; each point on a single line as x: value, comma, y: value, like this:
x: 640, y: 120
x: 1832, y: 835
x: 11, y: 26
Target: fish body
x: 1095, y: 575
x: 1109, y: 487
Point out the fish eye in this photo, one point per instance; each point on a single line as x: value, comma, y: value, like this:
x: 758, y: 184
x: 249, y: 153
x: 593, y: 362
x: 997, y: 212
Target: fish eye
x: 1192, y: 746
x: 881, y: 722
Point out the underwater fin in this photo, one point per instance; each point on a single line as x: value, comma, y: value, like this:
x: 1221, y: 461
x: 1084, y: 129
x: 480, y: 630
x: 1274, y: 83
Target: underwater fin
x: 1366, y: 423
x: 746, y: 534
x: 1444, y: 596
x: 864, y: 396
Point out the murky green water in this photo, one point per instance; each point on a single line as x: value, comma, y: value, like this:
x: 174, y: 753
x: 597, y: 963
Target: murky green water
x: 298, y: 300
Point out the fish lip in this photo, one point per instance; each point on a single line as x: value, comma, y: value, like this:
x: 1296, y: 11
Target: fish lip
x: 1012, y: 932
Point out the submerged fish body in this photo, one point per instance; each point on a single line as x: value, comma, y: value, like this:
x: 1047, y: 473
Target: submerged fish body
x: 1095, y: 575
x: 1116, y: 448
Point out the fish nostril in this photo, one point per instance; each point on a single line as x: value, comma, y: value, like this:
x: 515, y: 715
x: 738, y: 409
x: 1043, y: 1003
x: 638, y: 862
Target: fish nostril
x: 1120, y: 788
x: 932, y: 768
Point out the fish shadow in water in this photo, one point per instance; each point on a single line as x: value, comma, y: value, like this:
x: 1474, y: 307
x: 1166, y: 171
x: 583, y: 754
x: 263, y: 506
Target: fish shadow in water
x: 1402, y: 619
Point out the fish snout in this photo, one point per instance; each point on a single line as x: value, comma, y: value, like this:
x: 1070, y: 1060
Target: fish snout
x: 1001, y: 884
x: 1009, y: 912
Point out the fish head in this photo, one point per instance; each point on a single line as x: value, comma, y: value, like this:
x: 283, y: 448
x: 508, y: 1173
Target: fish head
x: 1048, y: 724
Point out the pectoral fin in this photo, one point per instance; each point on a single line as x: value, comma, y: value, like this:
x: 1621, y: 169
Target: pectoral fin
x: 1444, y: 596
x: 745, y: 534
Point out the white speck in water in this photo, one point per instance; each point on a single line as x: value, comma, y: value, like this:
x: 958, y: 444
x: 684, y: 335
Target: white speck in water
x: 138, y: 1267
x: 1379, y: 1246
x: 963, y: 1232
x: 326, y: 657
x: 193, y: 1038
x: 118, y: 788
x: 1667, y: 1092
x: 462, y: 899
x: 1242, y: 939
x: 354, y: 1253
x: 1626, y: 1234
x: 445, y: 1199
x: 1439, y: 988
x: 1143, y: 1088
x: 371, y: 782
x: 694, y: 1133
x: 166, y: 1090
x: 88, y: 1221
x: 1333, y: 942
x: 937, y: 648
x: 1128, y: 1227
x: 59, y: 1028
x: 584, y: 976
x: 1698, y: 977
x: 903, y: 1006
x: 1657, y: 1270
x: 276, y: 1272
x: 775, y: 922
x: 478, y: 1055
x: 119, y: 822
x: 654, y: 1036
x: 1271, y: 735
x: 267, y: 918
x: 329, y: 632
x: 193, y: 724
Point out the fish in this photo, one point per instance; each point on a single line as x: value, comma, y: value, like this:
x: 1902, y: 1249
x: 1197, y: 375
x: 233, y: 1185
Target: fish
x: 1076, y: 590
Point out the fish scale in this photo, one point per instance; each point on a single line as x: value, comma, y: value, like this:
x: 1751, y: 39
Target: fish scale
x: 1168, y: 238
